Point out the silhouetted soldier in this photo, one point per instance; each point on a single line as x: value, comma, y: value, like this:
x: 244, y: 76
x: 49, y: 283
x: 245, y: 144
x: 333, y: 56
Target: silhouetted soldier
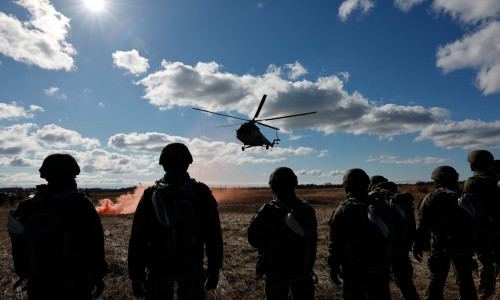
x: 403, y: 215
x: 451, y: 233
x: 359, y: 250
x: 175, y: 222
x: 483, y: 185
x: 57, y: 237
x: 285, y: 233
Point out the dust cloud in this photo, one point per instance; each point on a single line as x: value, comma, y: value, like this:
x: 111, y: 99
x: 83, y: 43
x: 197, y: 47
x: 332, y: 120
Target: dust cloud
x: 224, y: 196
x: 124, y: 204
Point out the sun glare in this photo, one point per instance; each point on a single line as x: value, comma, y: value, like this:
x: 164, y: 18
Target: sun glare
x: 95, y: 5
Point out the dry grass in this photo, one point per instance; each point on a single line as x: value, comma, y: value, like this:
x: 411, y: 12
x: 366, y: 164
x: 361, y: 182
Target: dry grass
x: 237, y: 276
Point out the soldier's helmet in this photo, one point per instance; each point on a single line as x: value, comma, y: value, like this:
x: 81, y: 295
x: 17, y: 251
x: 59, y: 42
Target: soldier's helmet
x: 445, y: 175
x: 480, y: 160
x: 388, y: 185
x: 59, y: 165
x: 175, y: 156
x: 282, y: 179
x: 375, y: 180
x: 356, y: 180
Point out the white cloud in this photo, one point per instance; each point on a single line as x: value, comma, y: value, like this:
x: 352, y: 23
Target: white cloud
x: 99, y: 161
x: 206, y: 87
x: 419, y: 160
x: 143, y: 142
x: 349, y: 6
x: 295, y: 70
x: 58, y: 137
x: 183, y: 85
x: 55, y: 92
x: 23, y: 179
x: 212, y: 153
x: 406, y: 5
x: 337, y: 173
x: 479, y: 50
x: 345, y: 76
x: 468, y: 11
x: 15, y: 139
x: 468, y: 134
x: 320, y: 173
x: 315, y: 173
x: 13, y: 111
x: 324, y: 153
x: 295, y: 137
x: 20, y: 138
x: 131, y: 61
x: 39, y: 41
x: 391, y: 119
x: 19, y: 161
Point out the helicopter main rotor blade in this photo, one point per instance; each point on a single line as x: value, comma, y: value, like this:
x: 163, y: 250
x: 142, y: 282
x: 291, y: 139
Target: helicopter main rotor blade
x: 227, y: 125
x: 260, y: 106
x: 220, y: 114
x: 266, y: 125
x: 297, y: 115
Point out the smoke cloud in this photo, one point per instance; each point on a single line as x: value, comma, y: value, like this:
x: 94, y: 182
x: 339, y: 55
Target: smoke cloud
x: 124, y: 204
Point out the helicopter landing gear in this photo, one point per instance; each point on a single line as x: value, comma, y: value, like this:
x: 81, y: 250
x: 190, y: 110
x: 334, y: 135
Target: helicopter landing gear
x: 267, y: 147
x: 242, y: 148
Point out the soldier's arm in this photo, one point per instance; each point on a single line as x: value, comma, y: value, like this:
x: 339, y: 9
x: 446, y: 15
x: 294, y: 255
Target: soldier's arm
x: 424, y: 227
x: 259, y: 229
x: 213, y: 231
x: 314, y: 237
x: 337, y: 237
x: 139, y: 238
x: 94, y: 234
x: 19, y: 255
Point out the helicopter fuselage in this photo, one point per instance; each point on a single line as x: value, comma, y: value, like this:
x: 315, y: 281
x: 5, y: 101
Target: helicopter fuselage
x: 249, y: 134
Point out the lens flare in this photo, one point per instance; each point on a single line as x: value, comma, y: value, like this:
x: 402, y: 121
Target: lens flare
x: 95, y: 5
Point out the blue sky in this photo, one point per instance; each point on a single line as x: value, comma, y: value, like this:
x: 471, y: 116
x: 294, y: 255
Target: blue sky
x: 400, y: 87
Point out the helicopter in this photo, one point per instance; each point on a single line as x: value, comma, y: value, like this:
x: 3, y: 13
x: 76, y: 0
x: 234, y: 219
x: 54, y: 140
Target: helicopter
x: 249, y: 134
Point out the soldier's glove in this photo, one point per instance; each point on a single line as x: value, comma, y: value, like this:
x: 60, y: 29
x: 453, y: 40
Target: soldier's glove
x: 138, y: 288
x: 98, y: 287
x: 211, y: 279
x: 417, y: 253
x: 335, y: 273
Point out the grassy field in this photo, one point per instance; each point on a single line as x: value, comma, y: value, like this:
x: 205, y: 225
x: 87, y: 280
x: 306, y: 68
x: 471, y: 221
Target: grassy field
x: 237, y: 206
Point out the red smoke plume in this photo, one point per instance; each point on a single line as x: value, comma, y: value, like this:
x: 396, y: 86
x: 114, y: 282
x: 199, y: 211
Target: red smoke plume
x: 125, y: 204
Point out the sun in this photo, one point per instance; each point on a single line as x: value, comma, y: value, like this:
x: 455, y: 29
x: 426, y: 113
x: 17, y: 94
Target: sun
x: 95, y: 5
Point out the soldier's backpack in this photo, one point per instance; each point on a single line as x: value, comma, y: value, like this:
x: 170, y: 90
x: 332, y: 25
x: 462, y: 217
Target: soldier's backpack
x: 176, y: 210
x: 403, y: 211
x: 463, y: 215
x: 292, y: 251
x: 44, y: 247
x: 473, y: 205
x: 379, y: 215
